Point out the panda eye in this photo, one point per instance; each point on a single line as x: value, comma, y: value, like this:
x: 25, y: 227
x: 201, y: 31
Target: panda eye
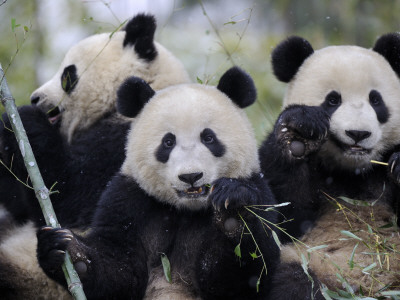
x: 208, y: 139
x: 375, y: 98
x: 169, y: 142
x: 333, y: 99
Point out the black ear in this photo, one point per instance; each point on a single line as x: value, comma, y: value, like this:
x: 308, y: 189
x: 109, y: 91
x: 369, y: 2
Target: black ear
x: 132, y: 95
x: 388, y: 46
x: 238, y: 86
x: 288, y: 56
x: 140, y: 33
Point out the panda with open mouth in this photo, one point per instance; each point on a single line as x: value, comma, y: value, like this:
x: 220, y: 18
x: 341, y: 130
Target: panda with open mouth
x: 189, y: 193
x: 333, y: 155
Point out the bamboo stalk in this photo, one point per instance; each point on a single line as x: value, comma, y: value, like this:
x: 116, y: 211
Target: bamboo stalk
x: 41, y: 191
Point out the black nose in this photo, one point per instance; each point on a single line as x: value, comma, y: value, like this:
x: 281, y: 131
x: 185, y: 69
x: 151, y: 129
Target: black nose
x: 190, y: 178
x: 358, y: 135
x: 35, y: 99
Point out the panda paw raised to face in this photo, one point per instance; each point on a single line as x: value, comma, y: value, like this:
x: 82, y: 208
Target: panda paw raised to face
x: 301, y: 130
x: 232, y: 193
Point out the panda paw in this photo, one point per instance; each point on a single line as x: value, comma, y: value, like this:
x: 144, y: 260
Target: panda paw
x: 52, y: 245
x: 301, y: 130
x: 231, y: 193
x: 394, y: 167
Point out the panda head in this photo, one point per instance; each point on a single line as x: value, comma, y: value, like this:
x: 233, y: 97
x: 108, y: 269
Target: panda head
x: 187, y: 136
x: 358, y: 87
x: 84, y: 88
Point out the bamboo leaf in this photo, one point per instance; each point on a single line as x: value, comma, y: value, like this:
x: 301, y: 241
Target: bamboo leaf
x: 349, y: 234
x: 351, y: 260
x: 316, y: 248
x: 276, y: 239
x: 237, y: 251
x: 166, y: 267
x: 370, y: 267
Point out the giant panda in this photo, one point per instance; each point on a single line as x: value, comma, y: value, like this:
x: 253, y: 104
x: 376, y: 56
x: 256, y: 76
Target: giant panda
x: 341, y: 113
x: 189, y: 194
x: 77, y: 138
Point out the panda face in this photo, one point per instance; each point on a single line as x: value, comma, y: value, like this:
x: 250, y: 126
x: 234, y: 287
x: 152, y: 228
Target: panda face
x: 84, y: 88
x: 189, y: 136
x: 360, y: 91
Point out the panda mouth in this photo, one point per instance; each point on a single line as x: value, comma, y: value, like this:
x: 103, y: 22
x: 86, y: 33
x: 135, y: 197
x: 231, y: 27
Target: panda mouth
x: 195, y: 192
x: 351, y: 149
x: 54, y: 115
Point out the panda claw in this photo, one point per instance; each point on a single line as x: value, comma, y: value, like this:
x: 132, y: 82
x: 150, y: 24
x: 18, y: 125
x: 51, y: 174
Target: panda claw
x: 392, y: 166
x: 226, y: 203
x: 47, y: 228
x: 60, y: 251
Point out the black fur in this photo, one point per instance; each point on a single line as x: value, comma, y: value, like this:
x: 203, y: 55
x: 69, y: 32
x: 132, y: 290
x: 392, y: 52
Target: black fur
x: 165, y: 148
x: 304, y: 180
x: 140, y: 34
x: 80, y: 169
x: 377, y: 103
x: 132, y: 95
x: 131, y: 231
x: 210, y: 140
x: 388, y: 46
x: 69, y: 79
x: 288, y: 56
x: 238, y: 86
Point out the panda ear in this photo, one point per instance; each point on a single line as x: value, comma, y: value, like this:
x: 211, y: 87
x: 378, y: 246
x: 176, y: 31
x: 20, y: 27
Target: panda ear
x: 288, y: 56
x: 140, y: 33
x: 132, y: 95
x: 238, y: 86
x: 388, y: 46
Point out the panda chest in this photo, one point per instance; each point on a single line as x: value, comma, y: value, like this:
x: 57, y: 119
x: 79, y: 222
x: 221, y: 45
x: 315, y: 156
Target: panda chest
x: 176, y: 238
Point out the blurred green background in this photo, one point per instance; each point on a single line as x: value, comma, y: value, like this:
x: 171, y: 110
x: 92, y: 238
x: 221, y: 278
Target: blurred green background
x: 208, y: 36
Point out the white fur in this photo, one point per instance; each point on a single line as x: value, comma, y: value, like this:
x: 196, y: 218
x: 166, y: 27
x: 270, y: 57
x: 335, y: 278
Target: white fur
x: 185, y: 111
x: 18, y: 249
x: 102, y: 65
x: 353, y: 72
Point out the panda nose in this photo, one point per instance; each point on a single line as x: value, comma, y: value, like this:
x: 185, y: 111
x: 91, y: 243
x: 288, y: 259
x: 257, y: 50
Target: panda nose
x: 35, y: 98
x: 358, y: 135
x: 190, y: 178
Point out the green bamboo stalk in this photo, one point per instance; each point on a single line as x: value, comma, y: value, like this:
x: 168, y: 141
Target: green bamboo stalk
x: 41, y: 191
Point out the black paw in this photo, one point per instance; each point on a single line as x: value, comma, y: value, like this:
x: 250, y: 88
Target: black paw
x: 52, y: 245
x: 301, y: 130
x: 394, y: 167
x: 230, y: 193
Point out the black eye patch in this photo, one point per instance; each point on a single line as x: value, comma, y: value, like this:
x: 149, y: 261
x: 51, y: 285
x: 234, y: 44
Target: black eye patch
x: 69, y: 79
x: 163, y: 151
x: 332, y: 102
x: 377, y: 103
x: 210, y: 140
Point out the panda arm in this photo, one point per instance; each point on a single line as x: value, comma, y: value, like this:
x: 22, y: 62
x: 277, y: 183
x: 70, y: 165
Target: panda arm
x: 110, y: 259
x: 289, y: 175
x: 220, y: 272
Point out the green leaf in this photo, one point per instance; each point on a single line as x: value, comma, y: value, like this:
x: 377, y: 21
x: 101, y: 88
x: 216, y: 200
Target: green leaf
x: 317, y: 248
x: 391, y: 293
x: 231, y: 22
x: 366, y: 269
x: 356, y: 202
x: 253, y: 255
x: 349, y: 234
x: 258, y: 285
x: 26, y: 29
x: 199, y: 80
x: 276, y: 239
x: 14, y: 24
x: 237, y: 251
x: 166, y: 267
x: 351, y: 260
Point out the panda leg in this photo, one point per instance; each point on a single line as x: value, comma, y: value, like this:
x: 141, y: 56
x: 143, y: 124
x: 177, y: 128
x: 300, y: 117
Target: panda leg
x: 291, y: 282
